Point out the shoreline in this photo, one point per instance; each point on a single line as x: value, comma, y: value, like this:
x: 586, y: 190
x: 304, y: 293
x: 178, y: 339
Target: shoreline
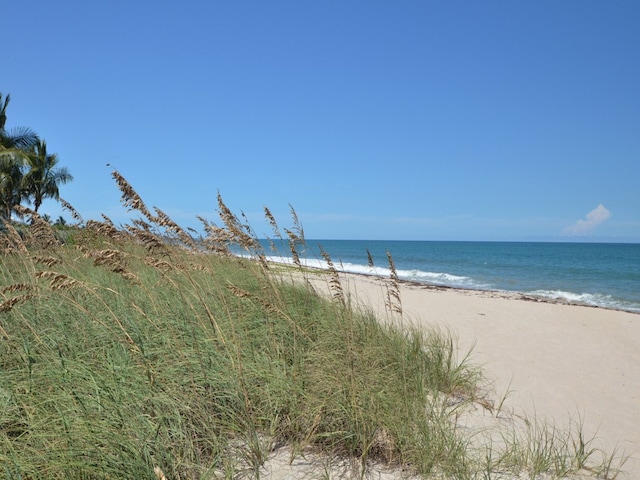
x: 507, y: 294
x: 554, y: 360
x: 316, y: 265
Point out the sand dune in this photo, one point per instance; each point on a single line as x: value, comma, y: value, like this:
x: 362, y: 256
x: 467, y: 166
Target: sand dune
x: 558, y: 361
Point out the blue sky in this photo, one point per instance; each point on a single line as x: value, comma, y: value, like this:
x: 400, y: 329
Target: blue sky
x: 421, y: 120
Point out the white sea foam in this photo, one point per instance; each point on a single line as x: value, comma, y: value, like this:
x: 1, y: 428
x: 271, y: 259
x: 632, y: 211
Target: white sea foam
x: 441, y: 278
x: 591, y: 299
x: 434, y: 278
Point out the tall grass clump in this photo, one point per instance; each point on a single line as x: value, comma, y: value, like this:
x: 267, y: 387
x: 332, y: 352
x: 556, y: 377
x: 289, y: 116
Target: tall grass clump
x: 148, y: 351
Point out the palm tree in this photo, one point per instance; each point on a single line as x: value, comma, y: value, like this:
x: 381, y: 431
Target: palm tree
x: 27, y: 172
x: 3, y: 110
x: 19, y: 138
x: 43, y: 177
x: 13, y: 151
x: 10, y: 184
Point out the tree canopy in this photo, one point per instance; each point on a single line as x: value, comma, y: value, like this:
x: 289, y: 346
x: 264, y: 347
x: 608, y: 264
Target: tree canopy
x: 28, y: 173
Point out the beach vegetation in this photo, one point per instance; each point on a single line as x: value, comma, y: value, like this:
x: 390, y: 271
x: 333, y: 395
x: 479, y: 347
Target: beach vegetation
x: 150, y: 351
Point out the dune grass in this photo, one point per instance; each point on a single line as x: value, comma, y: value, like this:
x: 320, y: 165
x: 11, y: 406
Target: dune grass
x: 147, y: 352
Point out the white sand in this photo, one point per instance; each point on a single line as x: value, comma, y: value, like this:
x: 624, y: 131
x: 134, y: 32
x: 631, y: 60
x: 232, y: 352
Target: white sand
x: 559, y: 361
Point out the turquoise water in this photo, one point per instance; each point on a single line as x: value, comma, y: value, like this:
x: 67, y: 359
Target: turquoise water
x: 599, y: 274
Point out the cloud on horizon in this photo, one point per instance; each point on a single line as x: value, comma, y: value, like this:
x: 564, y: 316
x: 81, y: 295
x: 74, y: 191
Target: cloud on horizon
x: 583, y: 227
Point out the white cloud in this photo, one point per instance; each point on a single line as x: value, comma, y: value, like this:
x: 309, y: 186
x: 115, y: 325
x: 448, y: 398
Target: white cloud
x: 594, y: 218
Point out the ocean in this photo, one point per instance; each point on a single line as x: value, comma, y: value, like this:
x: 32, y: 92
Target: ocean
x: 598, y: 274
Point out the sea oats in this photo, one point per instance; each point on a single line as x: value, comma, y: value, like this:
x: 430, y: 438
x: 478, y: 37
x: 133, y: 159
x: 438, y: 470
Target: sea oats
x: 74, y: 213
x: 369, y: 259
x: 114, y: 260
x: 297, y: 225
x: 272, y: 222
x: 262, y: 260
x: 394, y: 304
x: 161, y: 265
x: 40, y: 229
x: 293, y: 247
x: 335, y: 285
x: 130, y: 199
x: 217, y: 239
x: 57, y: 281
x: 239, y: 292
x: 240, y: 233
x: 150, y: 241
x: 107, y: 220
x: 48, y: 261
x: 165, y: 221
x: 141, y: 224
x: 104, y: 228
x: 16, y: 287
x: 7, y: 305
x: 12, y: 239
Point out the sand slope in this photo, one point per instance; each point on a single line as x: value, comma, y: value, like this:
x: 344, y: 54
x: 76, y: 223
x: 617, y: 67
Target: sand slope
x: 559, y: 361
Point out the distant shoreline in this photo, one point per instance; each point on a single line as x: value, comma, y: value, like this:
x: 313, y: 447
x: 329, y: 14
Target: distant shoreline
x: 506, y: 294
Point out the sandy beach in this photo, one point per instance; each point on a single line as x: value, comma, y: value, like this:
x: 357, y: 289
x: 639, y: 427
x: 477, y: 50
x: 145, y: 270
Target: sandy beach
x: 560, y: 362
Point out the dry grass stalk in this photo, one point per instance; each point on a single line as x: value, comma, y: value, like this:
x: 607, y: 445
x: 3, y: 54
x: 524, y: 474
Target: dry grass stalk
x: 130, y: 199
x: 57, y: 281
x: 197, y: 267
x: 74, y: 213
x: 141, y: 224
x: 239, y: 292
x: 107, y: 220
x: 12, y: 240
x: 113, y: 260
x: 165, y: 221
x: 393, y: 303
x: 295, y: 237
x: 40, y: 229
x: 262, y: 260
x: 369, y: 259
x: 161, y: 265
x: 150, y: 241
x: 16, y: 287
x: 272, y: 221
x: 293, y: 248
x: 108, y: 257
x: 239, y: 232
x: 297, y: 225
x: 276, y: 230
x: 48, y: 261
x: 335, y: 285
x: 8, y: 304
x: 105, y: 229
x: 216, y: 239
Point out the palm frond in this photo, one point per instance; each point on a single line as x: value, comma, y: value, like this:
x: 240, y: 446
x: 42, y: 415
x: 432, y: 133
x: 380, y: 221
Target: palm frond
x: 18, y: 137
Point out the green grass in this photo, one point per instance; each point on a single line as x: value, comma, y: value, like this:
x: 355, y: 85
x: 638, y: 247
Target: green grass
x: 120, y: 354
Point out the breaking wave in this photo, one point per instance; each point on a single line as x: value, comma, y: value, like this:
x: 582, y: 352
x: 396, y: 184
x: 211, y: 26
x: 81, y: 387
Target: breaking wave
x: 590, y: 299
